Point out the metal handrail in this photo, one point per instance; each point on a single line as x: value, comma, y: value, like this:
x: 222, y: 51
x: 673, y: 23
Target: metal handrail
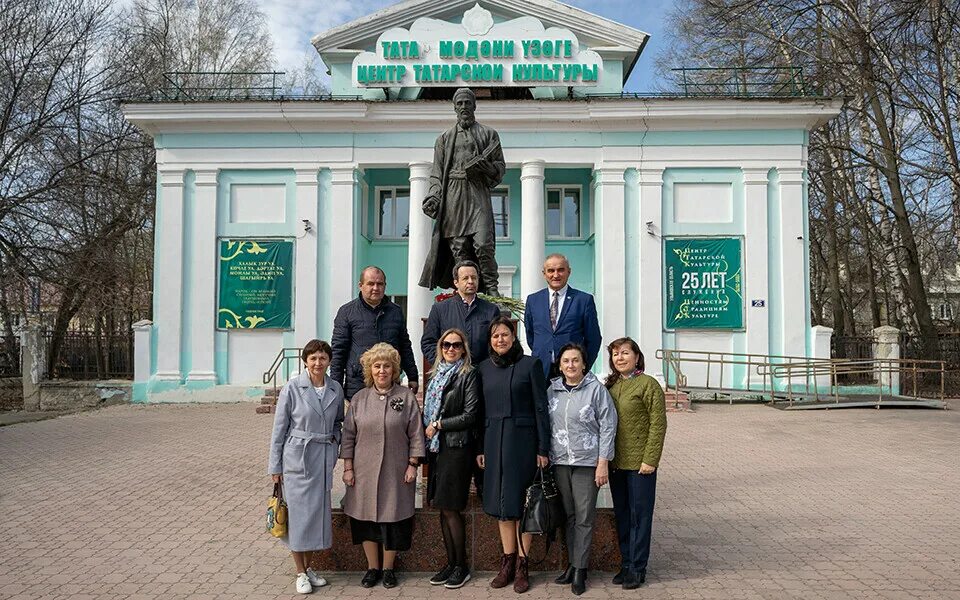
x: 282, y: 359
x: 774, y: 368
x: 878, y: 367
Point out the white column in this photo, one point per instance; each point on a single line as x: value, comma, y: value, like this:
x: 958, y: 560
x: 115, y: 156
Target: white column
x: 305, y: 299
x: 203, y: 304
x: 532, y: 230
x: 343, y: 219
x: 756, y: 282
x: 886, y: 349
x: 142, y: 334
x: 610, y: 237
x: 419, y: 299
x: 168, y: 300
x: 820, y: 343
x: 651, y: 266
x: 789, y: 236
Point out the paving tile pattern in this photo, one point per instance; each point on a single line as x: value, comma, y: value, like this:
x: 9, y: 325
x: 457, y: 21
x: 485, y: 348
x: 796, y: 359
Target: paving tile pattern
x: 166, y: 502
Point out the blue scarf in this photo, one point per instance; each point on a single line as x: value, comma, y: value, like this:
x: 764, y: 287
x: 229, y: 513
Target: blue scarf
x: 433, y: 399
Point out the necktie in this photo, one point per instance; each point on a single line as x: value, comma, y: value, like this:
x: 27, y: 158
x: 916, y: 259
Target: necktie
x: 554, y: 310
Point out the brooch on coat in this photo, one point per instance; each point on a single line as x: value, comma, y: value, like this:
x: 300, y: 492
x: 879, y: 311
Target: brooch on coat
x: 396, y: 404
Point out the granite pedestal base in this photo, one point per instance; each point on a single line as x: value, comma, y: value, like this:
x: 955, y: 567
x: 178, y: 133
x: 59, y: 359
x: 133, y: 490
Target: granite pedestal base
x: 483, y: 545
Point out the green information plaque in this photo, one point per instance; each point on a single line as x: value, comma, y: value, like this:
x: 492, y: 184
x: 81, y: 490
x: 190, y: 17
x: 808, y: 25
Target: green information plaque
x: 704, y: 278
x: 256, y: 284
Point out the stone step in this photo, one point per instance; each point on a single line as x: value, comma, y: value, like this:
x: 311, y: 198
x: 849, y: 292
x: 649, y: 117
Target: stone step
x: 271, y: 392
x: 677, y: 401
x: 266, y: 409
x: 269, y: 400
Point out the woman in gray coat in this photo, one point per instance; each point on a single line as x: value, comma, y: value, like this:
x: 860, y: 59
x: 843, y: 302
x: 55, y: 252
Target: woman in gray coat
x: 303, y: 452
x: 583, y: 420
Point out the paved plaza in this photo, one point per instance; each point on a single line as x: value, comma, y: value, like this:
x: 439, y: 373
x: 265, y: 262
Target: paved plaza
x: 167, y: 501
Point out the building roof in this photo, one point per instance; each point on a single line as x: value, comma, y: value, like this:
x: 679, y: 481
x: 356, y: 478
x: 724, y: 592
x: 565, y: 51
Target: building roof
x: 597, y: 33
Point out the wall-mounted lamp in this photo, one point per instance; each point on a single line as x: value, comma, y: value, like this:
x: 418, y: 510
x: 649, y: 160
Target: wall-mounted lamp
x: 651, y: 229
x: 307, y: 227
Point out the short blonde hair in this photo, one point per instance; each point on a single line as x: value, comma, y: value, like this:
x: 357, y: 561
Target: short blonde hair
x: 377, y: 353
x: 467, y: 363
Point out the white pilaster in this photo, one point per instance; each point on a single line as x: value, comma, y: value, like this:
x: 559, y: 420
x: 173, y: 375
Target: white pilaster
x: 305, y: 300
x: 756, y: 279
x: 419, y: 299
x: 532, y: 232
x: 651, y: 265
x: 169, y: 267
x: 142, y: 334
x: 789, y: 236
x: 203, y: 304
x: 820, y: 343
x: 610, y: 238
x: 343, y: 218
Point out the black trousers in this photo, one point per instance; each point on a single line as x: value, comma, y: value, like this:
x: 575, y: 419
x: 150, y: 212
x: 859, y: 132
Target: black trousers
x: 633, y: 499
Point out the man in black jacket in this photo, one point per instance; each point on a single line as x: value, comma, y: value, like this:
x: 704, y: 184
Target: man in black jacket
x: 364, y: 321
x: 466, y: 311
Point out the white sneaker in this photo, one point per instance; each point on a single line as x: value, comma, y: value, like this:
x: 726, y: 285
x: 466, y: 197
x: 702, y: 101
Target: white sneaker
x: 303, y: 584
x: 315, y: 579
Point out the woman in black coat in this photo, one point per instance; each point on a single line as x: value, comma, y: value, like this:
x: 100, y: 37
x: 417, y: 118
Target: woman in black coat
x: 451, y: 402
x: 516, y: 440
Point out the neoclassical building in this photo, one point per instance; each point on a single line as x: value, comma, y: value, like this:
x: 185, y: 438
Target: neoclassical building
x: 686, y: 215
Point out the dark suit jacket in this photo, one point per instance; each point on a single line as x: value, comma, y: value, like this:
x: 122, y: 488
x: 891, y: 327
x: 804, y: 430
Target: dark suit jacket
x: 578, y: 323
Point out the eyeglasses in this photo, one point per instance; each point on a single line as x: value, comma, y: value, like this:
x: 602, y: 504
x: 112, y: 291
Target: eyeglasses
x: 451, y: 345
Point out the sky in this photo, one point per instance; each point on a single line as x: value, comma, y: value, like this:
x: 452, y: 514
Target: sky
x: 294, y: 22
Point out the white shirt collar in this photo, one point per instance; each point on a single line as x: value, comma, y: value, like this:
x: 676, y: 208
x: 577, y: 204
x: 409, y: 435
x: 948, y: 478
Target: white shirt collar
x: 562, y: 291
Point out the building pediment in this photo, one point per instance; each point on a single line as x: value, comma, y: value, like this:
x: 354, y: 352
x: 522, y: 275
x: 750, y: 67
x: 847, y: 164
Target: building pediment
x: 610, y: 39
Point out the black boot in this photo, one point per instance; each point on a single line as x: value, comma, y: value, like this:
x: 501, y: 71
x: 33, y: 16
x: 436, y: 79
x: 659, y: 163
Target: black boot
x: 579, y: 583
x: 565, y: 577
x: 618, y: 578
x: 631, y: 579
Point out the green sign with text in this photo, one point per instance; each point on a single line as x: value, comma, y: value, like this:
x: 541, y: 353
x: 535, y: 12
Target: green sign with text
x: 256, y: 284
x: 704, y: 281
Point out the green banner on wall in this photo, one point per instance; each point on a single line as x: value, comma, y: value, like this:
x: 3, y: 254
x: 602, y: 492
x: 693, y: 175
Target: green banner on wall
x: 704, y: 283
x: 256, y: 284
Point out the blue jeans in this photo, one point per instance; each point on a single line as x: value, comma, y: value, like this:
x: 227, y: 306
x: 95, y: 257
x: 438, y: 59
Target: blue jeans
x: 633, y: 499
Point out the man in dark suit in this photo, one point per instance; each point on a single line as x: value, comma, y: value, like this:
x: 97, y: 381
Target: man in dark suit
x: 465, y: 310
x: 560, y: 314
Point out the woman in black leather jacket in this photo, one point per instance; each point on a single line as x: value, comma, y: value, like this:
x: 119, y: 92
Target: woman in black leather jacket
x: 450, y: 403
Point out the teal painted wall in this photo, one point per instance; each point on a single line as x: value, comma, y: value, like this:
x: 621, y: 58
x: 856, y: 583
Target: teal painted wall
x: 392, y: 256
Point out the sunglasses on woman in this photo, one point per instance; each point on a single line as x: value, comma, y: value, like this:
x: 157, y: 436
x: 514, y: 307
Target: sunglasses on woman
x: 451, y: 345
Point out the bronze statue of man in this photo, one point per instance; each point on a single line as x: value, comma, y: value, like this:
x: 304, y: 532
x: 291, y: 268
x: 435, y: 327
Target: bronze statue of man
x: 467, y: 163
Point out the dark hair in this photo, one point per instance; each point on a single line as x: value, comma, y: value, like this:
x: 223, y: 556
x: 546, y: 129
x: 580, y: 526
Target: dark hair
x: 615, y: 375
x: 502, y: 320
x: 572, y: 346
x: 464, y: 263
x: 314, y: 346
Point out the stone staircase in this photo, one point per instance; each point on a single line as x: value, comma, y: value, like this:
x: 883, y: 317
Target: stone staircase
x: 268, y: 402
x: 677, y: 401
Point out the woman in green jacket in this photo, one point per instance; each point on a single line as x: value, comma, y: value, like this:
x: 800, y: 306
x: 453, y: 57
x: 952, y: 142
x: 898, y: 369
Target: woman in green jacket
x: 633, y: 479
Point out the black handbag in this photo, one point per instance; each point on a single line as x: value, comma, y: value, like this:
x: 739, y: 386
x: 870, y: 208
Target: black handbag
x: 543, y: 512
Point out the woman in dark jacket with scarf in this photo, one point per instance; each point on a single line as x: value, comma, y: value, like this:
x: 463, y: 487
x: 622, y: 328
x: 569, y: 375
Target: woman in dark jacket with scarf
x: 450, y: 403
x: 516, y: 440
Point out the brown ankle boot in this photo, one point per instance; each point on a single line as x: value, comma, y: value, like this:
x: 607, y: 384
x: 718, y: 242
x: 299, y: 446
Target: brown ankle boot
x: 522, y: 582
x: 508, y: 566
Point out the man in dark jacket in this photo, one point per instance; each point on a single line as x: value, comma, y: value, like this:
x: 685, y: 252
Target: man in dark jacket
x: 466, y: 311
x: 364, y: 321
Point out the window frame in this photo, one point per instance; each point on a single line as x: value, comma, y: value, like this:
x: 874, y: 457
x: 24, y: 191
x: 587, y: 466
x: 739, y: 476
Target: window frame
x: 393, y: 189
x: 506, y: 210
x: 562, y: 188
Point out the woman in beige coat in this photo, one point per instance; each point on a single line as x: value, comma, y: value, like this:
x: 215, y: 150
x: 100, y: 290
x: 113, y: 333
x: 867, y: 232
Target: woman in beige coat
x: 383, y: 442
